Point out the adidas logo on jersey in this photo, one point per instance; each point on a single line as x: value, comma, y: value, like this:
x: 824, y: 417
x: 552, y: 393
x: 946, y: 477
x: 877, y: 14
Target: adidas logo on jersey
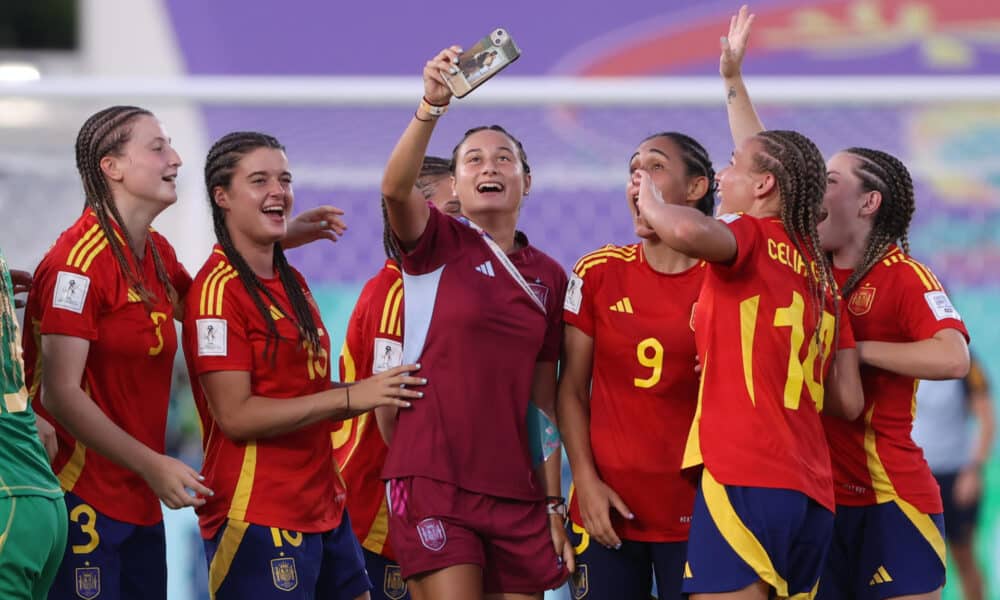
x: 486, y: 269
x: 623, y: 306
x: 880, y: 576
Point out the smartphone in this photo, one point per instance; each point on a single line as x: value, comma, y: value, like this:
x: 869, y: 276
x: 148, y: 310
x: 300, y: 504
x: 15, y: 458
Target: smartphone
x: 484, y: 60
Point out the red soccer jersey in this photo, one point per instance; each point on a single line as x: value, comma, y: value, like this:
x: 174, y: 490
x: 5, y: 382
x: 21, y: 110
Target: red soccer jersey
x: 288, y: 481
x: 478, y: 336
x: 644, y: 387
x: 373, y: 344
x: 874, y: 458
x: 762, y: 367
x: 80, y: 291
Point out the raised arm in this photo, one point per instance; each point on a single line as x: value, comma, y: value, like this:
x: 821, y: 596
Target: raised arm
x: 743, y: 119
x: 684, y: 228
x: 408, y: 213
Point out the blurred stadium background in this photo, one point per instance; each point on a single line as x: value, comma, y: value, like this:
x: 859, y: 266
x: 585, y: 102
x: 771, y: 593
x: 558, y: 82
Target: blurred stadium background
x: 336, y: 83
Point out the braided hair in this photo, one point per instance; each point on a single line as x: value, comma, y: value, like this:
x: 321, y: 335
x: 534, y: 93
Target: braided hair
x: 432, y: 168
x: 800, y: 172
x: 222, y: 161
x: 696, y: 164
x: 886, y: 174
x: 105, y: 134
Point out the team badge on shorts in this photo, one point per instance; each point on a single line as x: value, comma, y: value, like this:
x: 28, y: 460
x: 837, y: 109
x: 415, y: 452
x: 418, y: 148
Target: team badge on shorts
x: 393, y: 585
x: 432, y: 535
x: 283, y: 574
x: 861, y: 300
x: 579, y: 583
x: 88, y: 582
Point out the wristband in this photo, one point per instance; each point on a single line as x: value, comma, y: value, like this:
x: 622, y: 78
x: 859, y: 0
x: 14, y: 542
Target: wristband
x: 434, y: 110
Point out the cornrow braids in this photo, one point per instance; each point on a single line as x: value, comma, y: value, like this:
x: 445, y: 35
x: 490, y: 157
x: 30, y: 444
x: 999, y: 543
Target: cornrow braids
x: 696, y: 163
x: 798, y: 167
x: 881, y: 172
x: 432, y: 168
x: 106, y: 133
x: 520, y: 147
x: 222, y: 161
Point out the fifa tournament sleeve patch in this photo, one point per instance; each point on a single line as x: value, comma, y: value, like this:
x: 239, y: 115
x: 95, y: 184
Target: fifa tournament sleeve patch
x: 728, y: 217
x: 574, y: 294
x: 71, y: 291
x: 941, y: 306
x: 388, y: 354
x: 212, y: 337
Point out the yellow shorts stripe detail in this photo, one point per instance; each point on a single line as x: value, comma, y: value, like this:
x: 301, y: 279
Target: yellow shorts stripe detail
x: 925, y: 525
x: 584, y: 539
x: 379, y: 532
x: 738, y: 536
x: 225, y: 554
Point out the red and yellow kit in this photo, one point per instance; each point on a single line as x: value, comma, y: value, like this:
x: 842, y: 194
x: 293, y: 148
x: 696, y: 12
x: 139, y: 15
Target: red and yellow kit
x: 644, y: 386
x: 874, y: 458
x: 763, y: 367
x: 79, y: 290
x: 373, y: 344
x: 288, y: 481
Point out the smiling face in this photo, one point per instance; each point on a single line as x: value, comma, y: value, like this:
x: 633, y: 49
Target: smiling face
x: 845, y: 203
x: 259, y: 196
x: 489, y: 175
x: 147, y: 165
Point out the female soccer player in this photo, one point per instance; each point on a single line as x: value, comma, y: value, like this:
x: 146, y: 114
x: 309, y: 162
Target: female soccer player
x: 373, y: 345
x: 482, y: 313
x: 259, y: 359
x: 766, y: 326
x: 31, y: 502
x: 888, y: 540
x: 101, y: 354
x: 628, y: 389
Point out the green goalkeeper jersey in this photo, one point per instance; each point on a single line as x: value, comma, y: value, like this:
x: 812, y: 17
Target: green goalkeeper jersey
x: 24, y: 465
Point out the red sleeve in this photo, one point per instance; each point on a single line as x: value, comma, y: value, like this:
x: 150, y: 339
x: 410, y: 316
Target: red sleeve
x: 924, y: 307
x: 375, y: 329
x: 552, y: 346
x: 71, y: 299
x: 747, y: 231
x: 219, y: 339
x: 845, y: 333
x: 440, y: 240
x: 578, y: 309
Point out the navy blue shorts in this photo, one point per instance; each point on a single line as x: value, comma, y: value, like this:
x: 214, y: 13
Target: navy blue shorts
x: 740, y: 535
x: 254, y: 561
x: 959, y: 521
x: 386, y: 577
x: 883, y: 551
x: 626, y: 573
x: 109, y: 559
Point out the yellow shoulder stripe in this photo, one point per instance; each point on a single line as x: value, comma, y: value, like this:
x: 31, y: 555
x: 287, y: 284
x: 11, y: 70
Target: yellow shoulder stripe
x: 83, y: 241
x: 607, y: 250
x: 390, y: 309
x: 211, y: 292
x: 599, y: 260
x: 928, y: 282
x: 87, y: 248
